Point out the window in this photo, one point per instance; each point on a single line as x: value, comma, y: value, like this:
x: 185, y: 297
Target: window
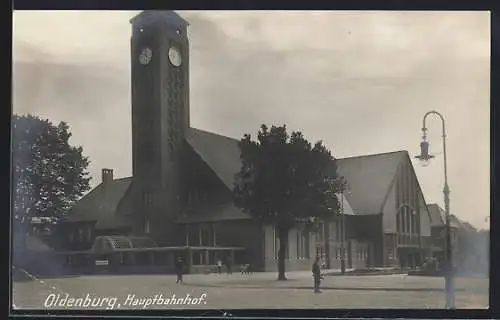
x: 320, y: 234
x: 398, y: 222
x: 147, y: 198
x: 302, y: 244
x: 89, y: 234
x: 276, y: 243
x: 80, y: 234
x: 390, y: 254
x: 338, y: 230
x: 408, y: 219
x: 146, y: 226
x: 206, y: 235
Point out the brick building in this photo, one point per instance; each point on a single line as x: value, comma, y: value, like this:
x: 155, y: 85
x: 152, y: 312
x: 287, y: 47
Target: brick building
x: 180, y: 191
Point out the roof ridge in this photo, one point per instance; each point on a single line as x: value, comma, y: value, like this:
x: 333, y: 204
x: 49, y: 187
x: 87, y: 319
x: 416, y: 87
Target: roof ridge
x: 372, y: 155
x: 215, y: 134
x: 123, y: 178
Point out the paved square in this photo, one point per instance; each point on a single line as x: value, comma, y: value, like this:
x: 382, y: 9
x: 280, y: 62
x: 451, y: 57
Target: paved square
x: 259, y: 290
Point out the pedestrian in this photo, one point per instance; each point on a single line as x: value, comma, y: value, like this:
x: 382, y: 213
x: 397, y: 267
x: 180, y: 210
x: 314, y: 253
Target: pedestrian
x: 219, y: 266
x: 229, y: 264
x: 179, y: 268
x: 316, y: 271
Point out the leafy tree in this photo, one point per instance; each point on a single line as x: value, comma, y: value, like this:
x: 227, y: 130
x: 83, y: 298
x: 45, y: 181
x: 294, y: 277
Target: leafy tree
x: 285, y: 181
x: 48, y: 173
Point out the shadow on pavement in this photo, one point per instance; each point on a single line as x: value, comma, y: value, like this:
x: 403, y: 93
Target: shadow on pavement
x: 236, y: 286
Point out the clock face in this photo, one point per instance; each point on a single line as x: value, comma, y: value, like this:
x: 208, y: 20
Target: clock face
x: 174, y: 55
x: 145, y: 56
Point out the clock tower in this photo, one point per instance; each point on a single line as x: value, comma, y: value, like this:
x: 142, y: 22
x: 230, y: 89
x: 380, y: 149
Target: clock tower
x: 160, y: 118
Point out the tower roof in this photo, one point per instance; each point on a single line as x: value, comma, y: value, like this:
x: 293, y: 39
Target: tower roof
x: 150, y: 17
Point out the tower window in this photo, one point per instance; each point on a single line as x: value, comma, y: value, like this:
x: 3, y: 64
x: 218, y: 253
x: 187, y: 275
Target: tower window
x: 178, y: 32
x: 147, y: 198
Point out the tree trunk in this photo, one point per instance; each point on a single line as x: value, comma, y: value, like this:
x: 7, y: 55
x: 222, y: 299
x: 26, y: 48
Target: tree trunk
x: 283, y: 236
x: 326, y: 235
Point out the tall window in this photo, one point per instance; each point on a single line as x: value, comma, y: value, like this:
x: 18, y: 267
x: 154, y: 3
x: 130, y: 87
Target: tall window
x: 338, y: 230
x: 302, y: 244
x: 147, y: 198
x: 408, y: 220
x: 398, y: 218
x: 147, y: 226
x: 390, y: 253
x: 320, y: 233
x: 276, y: 243
x: 206, y: 235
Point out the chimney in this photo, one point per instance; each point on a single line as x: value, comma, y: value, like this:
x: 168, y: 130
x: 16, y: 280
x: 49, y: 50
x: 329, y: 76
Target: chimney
x: 107, y: 176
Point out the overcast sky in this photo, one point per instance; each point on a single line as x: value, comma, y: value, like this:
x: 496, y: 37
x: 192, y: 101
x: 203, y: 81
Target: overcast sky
x: 359, y: 81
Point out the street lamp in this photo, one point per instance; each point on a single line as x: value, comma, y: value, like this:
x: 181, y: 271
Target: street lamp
x: 424, y: 157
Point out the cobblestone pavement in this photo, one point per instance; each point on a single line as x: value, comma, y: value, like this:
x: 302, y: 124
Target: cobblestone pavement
x: 236, y: 291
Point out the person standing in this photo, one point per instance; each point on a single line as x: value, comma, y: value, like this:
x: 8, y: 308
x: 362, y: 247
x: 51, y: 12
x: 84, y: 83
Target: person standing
x: 179, y: 268
x: 316, y: 271
x: 219, y: 266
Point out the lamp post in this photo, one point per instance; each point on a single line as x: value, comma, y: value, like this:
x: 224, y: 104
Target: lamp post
x: 425, y: 156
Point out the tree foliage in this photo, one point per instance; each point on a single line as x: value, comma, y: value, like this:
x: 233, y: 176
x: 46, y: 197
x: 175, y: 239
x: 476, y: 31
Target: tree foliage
x: 48, y: 173
x: 285, y: 180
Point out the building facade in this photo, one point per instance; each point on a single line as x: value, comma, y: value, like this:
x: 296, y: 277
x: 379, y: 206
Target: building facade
x: 180, y: 193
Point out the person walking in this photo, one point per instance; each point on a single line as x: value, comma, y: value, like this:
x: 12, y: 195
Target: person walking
x: 179, y: 268
x: 316, y: 271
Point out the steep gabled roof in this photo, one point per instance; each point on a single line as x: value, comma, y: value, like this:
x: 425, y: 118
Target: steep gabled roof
x: 369, y: 179
x: 212, y: 213
x: 220, y: 153
x: 101, y: 203
x: 347, y: 207
x: 468, y: 227
x: 435, y: 213
x: 438, y: 216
